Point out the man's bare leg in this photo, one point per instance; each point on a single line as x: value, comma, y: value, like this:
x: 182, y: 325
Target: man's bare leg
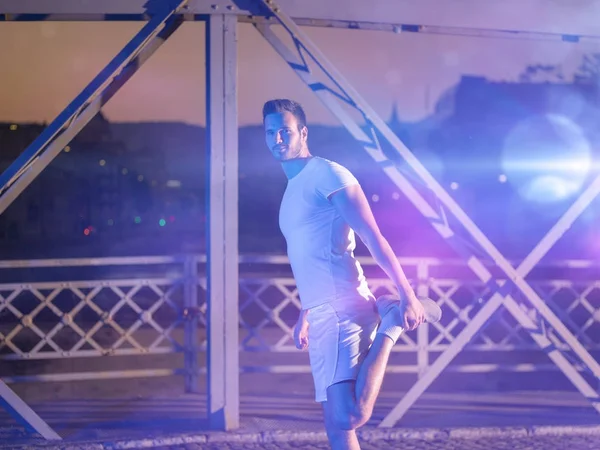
x: 339, y: 439
x: 370, y: 375
x: 350, y: 403
x: 372, y: 370
x: 359, y: 399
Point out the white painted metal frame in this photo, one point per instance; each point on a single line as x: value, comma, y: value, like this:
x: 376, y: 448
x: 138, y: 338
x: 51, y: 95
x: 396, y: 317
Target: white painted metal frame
x: 222, y: 206
x: 222, y: 113
x: 162, y: 23
x: 338, y: 93
x: 24, y: 414
x: 222, y: 185
x: 86, y: 105
x: 570, y: 19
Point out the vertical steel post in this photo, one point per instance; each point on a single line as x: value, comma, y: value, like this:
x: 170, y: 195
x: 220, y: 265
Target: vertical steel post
x: 222, y: 206
x: 190, y: 274
x: 422, y: 290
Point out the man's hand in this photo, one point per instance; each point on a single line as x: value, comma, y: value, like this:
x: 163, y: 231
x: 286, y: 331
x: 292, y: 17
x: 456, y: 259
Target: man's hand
x: 301, y: 332
x: 414, y: 313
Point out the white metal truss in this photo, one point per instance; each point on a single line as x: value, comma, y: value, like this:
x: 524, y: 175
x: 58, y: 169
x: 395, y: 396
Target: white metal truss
x: 378, y: 15
x: 222, y: 208
x: 24, y: 414
x: 162, y: 22
x: 565, y: 18
x: 417, y: 184
x: 86, y: 105
x: 163, y: 17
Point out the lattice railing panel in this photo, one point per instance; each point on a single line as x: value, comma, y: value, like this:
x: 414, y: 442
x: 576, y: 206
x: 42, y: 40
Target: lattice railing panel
x: 577, y: 304
x: 266, y: 328
x: 90, y: 318
x: 146, y: 316
x: 269, y: 310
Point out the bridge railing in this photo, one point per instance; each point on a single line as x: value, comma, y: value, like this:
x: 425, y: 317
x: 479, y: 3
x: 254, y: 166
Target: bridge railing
x: 136, y: 306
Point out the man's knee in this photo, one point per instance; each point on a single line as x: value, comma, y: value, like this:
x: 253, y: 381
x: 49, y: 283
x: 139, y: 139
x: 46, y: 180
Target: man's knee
x: 341, y: 409
x: 348, y: 418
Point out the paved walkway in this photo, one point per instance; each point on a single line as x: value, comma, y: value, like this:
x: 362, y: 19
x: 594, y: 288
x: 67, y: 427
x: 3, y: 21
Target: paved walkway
x: 574, y: 442
x: 444, y: 421
x: 542, y: 438
x: 280, y: 413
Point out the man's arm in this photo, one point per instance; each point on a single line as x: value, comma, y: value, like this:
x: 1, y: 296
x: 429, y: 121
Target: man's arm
x: 354, y: 208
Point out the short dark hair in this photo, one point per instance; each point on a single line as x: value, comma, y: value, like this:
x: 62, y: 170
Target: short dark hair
x: 280, y: 105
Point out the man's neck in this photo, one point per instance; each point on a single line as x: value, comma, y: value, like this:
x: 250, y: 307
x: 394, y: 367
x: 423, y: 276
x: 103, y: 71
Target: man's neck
x: 293, y: 167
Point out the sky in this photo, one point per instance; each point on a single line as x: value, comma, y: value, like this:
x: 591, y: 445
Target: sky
x: 44, y: 65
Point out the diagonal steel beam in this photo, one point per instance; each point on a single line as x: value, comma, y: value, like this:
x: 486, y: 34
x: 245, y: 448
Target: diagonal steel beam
x: 64, y: 128
x: 481, y: 318
x: 467, y: 334
x: 437, y: 217
x: 516, y: 310
x: 350, y: 96
x: 24, y: 414
x: 88, y: 103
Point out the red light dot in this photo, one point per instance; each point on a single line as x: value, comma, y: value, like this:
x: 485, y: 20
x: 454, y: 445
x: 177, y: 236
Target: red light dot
x: 86, y: 231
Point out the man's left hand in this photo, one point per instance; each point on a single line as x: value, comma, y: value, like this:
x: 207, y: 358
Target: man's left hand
x: 414, y: 313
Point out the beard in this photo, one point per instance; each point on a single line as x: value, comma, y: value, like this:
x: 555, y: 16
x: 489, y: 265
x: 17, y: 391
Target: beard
x: 288, y: 153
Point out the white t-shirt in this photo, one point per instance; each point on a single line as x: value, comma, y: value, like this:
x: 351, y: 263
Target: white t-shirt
x: 320, y: 244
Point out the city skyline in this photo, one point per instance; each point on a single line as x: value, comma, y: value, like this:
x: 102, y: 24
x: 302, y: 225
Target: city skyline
x: 463, y: 146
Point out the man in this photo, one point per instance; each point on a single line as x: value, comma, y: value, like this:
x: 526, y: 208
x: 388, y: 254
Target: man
x: 349, y: 334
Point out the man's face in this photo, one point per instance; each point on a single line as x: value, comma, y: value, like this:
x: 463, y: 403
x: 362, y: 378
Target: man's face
x: 283, y: 137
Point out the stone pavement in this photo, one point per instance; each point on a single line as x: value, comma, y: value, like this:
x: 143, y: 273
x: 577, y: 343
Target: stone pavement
x: 574, y: 442
x: 279, y: 413
x: 540, y: 438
